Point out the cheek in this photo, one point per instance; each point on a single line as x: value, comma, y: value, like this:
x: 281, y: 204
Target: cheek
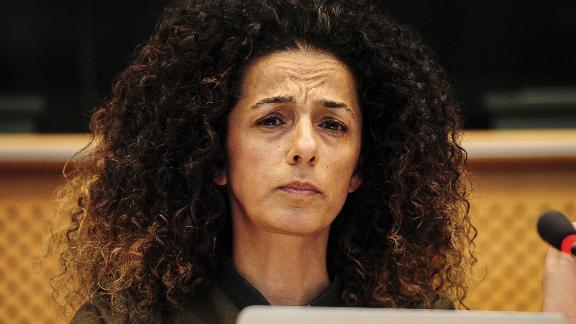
x: 342, y: 170
x: 251, y: 163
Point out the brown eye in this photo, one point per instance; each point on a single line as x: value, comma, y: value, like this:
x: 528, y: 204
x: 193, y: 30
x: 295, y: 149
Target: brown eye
x: 270, y: 121
x: 335, y: 126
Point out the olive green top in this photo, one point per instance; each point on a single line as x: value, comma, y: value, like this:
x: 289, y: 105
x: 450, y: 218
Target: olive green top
x: 212, y: 308
x: 219, y: 304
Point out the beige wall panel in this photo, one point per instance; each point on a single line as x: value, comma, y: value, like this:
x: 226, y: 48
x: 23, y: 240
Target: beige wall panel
x: 26, y: 203
x: 507, y: 199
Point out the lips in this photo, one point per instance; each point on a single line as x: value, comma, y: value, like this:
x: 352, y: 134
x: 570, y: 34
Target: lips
x: 300, y: 189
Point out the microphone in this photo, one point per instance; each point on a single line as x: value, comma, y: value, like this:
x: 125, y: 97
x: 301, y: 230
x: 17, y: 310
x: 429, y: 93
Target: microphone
x: 558, y: 231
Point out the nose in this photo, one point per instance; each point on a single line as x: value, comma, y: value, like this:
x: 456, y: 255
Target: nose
x: 303, y: 144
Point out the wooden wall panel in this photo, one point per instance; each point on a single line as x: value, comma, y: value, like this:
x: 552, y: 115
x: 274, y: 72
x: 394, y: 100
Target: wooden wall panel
x: 26, y: 203
x: 507, y: 199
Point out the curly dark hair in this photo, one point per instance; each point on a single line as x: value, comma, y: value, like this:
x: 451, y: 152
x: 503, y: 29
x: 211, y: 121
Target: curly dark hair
x: 147, y: 224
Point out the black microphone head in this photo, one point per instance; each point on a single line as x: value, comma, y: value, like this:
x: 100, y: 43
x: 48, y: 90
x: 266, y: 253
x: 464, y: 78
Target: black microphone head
x: 553, y: 227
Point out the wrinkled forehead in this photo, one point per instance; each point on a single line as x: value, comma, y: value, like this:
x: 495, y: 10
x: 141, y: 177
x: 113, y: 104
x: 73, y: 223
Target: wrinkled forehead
x: 304, y: 75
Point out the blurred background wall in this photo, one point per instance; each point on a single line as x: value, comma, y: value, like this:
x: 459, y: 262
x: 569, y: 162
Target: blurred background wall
x: 513, y: 64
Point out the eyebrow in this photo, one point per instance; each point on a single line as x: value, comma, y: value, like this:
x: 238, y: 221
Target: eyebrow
x: 289, y: 99
x: 274, y: 100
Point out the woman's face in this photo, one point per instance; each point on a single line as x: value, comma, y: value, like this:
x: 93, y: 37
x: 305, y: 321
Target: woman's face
x: 298, y: 122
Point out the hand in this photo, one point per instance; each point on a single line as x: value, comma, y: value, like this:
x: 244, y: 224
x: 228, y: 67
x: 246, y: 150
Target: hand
x: 559, y: 284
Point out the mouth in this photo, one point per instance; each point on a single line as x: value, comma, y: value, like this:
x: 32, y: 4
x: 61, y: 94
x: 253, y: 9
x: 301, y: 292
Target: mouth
x: 300, y: 189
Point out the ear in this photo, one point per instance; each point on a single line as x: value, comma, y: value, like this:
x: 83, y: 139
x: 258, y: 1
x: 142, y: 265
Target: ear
x: 355, y: 182
x: 356, y: 179
x: 221, y: 178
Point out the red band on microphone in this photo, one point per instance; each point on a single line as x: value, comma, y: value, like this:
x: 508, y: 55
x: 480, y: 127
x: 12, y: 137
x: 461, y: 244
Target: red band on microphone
x: 567, y: 243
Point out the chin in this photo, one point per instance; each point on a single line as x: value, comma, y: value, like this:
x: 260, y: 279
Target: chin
x: 298, y: 224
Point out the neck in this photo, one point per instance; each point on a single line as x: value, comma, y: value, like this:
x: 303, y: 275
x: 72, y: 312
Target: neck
x: 286, y: 269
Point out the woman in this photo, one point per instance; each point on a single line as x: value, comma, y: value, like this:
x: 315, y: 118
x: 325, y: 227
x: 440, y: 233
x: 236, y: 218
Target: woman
x: 270, y: 152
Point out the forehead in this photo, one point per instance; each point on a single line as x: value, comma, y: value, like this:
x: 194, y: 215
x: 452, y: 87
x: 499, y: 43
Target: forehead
x: 305, y: 75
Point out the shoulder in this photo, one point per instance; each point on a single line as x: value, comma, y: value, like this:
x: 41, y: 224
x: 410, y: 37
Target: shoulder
x: 443, y: 303
x: 98, y: 311
x: 209, y: 306
x: 433, y: 300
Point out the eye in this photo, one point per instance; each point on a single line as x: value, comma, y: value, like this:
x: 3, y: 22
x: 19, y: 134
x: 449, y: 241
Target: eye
x: 270, y: 121
x: 335, y: 126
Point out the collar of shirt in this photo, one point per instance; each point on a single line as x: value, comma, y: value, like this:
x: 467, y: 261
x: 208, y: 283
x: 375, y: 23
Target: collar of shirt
x: 243, y: 294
